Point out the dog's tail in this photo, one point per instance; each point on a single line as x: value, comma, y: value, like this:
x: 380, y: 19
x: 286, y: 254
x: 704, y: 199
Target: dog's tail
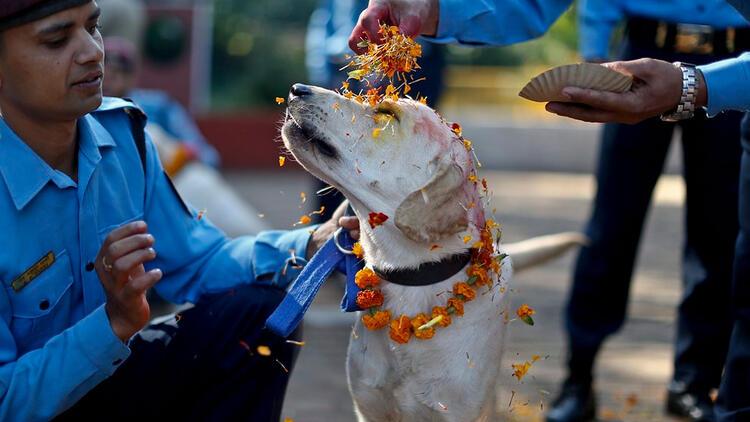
x: 537, y: 250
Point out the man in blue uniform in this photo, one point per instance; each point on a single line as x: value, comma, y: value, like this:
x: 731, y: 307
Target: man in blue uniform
x: 90, y: 222
x: 631, y: 159
x: 663, y: 88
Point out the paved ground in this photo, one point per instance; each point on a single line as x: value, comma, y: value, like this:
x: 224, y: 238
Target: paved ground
x: 635, y: 365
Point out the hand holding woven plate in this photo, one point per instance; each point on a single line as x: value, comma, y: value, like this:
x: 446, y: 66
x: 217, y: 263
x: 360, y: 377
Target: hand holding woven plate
x: 548, y: 86
x: 656, y: 88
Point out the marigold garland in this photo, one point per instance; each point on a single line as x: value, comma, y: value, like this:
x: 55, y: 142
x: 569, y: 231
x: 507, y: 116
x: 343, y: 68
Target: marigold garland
x: 423, y: 326
x: 369, y: 298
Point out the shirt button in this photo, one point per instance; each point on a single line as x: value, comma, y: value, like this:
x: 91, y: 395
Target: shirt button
x: 89, y: 266
x: 117, y: 362
x: 44, y: 305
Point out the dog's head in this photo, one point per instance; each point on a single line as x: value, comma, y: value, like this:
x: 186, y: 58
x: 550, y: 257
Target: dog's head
x: 399, y: 158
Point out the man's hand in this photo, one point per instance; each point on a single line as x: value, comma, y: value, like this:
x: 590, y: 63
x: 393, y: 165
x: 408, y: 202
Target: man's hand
x: 119, y: 265
x: 327, y: 229
x: 657, y: 87
x: 413, y: 17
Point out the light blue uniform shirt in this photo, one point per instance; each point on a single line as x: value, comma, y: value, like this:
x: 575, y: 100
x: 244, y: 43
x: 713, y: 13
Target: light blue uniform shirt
x: 56, y: 342
x: 175, y: 120
x: 598, y: 18
x: 502, y: 22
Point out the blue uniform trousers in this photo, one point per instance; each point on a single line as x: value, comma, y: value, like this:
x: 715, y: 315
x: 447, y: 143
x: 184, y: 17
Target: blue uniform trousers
x: 630, y: 162
x: 202, y: 365
x: 733, y: 404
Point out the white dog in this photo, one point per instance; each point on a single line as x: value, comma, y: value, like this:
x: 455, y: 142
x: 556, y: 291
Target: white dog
x: 416, y: 172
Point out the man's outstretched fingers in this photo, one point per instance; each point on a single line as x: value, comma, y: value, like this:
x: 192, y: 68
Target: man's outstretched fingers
x: 580, y: 113
x: 603, y: 100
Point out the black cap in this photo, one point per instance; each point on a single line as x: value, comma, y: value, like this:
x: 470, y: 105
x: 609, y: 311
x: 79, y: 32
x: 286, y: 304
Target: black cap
x: 18, y: 12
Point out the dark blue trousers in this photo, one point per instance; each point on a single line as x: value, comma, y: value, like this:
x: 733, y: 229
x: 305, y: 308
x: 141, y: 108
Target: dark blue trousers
x: 200, y: 366
x: 630, y: 162
x: 733, y: 404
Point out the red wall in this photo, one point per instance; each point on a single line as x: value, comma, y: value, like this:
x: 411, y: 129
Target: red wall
x: 245, y: 139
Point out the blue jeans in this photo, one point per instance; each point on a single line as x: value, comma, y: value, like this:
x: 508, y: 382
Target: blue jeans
x: 630, y: 162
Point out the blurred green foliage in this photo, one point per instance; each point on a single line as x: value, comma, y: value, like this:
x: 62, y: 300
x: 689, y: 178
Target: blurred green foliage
x: 259, y: 50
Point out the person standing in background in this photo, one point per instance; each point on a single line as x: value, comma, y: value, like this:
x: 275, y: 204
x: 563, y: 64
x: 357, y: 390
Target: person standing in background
x: 630, y: 162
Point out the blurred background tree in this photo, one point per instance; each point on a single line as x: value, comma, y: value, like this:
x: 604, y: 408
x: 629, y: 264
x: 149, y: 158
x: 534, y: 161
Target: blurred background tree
x: 259, y: 50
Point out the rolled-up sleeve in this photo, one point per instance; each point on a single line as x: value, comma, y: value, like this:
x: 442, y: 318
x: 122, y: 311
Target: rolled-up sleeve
x: 496, y: 22
x: 728, y: 84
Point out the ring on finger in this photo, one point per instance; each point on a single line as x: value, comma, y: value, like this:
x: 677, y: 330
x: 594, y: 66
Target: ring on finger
x: 107, y: 266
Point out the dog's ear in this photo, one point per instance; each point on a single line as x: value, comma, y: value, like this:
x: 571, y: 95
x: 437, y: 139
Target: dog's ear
x: 434, y: 211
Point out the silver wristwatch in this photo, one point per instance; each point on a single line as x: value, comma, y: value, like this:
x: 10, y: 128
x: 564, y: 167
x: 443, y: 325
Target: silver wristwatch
x: 686, y: 107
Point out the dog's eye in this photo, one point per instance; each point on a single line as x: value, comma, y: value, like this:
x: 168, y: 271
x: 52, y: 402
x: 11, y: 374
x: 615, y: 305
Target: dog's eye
x: 386, y: 111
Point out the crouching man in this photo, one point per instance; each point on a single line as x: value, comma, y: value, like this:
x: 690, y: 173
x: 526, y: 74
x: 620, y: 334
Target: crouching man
x: 90, y: 222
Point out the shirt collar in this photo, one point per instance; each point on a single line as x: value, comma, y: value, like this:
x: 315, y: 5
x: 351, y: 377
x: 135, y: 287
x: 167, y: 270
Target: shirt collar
x: 25, y: 173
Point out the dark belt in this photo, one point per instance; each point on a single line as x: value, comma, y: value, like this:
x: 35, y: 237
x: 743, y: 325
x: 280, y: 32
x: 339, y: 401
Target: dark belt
x: 687, y: 38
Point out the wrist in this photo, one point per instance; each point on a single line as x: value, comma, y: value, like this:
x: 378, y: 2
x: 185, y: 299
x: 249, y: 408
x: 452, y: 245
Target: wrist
x: 122, y: 329
x: 701, y: 98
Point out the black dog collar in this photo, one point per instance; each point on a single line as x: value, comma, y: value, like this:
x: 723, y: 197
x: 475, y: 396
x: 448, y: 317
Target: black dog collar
x: 427, y: 273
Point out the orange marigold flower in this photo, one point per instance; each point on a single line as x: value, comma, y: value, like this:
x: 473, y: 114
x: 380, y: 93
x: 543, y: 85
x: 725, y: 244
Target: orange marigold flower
x: 282, y: 161
x: 279, y: 100
x: 366, y: 278
x: 456, y: 128
x: 440, y: 311
x: 401, y: 329
x: 369, y: 298
x: 524, y: 311
x: 304, y: 220
x: 482, y: 278
x: 419, y: 321
x: 358, y: 251
x: 457, y: 305
x: 376, y: 219
x: 464, y: 290
x: 520, y: 369
x: 377, y: 320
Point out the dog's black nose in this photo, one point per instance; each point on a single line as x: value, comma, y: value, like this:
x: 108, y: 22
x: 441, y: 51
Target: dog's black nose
x: 301, y: 90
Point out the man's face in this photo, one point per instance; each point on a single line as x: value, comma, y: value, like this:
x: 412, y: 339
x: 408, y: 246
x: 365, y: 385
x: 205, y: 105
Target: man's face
x: 52, y: 68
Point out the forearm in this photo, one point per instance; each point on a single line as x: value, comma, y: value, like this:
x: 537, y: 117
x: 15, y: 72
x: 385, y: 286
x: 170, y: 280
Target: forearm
x: 44, y: 382
x: 272, y: 257
x: 496, y: 22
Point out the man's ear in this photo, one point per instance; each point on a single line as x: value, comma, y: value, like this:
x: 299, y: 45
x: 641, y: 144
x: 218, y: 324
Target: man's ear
x: 435, y: 211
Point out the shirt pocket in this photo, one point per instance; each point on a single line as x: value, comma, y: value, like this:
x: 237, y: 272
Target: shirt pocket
x: 43, y: 307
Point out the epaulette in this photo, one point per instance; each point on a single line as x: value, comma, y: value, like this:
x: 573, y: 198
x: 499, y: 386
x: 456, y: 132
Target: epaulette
x: 137, y: 121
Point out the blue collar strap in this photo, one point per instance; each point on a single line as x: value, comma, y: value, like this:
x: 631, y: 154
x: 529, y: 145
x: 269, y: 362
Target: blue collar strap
x: 289, y: 313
